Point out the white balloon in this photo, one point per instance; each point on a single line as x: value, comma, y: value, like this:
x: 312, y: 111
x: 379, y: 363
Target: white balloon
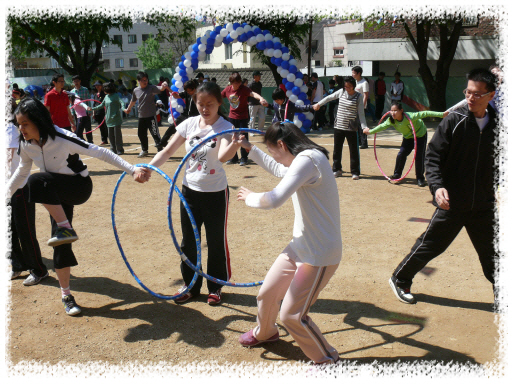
x: 187, y: 55
x: 278, y: 53
x: 265, y: 51
x: 177, y: 76
x: 218, y: 37
x: 174, y: 103
x: 247, y: 28
x: 201, y: 55
x: 299, y: 103
x: 252, y: 41
x: 288, y: 94
x: 294, y: 98
x: 178, y: 84
x: 309, y: 115
x: 270, y: 52
x: 190, y: 48
x: 304, y: 88
x: 276, y: 40
x: 208, y: 33
x: 260, y: 37
x: 240, y: 30
x: 187, y: 63
x: 203, y: 40
x: 229, y: 27
x: 268, y: 37
x: 293, y: 62
x: 286, y: 56
x: 177, y: 69
x: 290, y: 77
x: 181, y: 90
x: 217, y: 43
x: 233, y: 34
x: 202, y: 47
x: 223, y: 32
x: 297, y: 122
x: 284, y: 73
x: 298, y: 82
x: 179, y: 108
x: 190, y: 71
x: 255, y: 27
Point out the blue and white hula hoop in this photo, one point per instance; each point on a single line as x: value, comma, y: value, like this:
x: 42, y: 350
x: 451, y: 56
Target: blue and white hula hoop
x: 196, y: 268
x: 194, y: 226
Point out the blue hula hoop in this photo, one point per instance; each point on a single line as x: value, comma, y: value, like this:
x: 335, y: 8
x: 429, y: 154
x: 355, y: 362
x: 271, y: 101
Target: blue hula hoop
x: 194, y: 226
x: 173, y: 187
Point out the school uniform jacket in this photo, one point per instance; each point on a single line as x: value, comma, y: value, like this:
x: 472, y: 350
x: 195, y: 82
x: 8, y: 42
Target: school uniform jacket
x: 60, y: 155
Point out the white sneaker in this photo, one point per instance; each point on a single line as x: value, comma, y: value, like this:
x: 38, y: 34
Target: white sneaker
x: 143, y: 154
x: 355, y: 177
x: 338, y: 173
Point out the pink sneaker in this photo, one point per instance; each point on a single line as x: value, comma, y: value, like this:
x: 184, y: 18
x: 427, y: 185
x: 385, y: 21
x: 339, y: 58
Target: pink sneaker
x: 248, y: 339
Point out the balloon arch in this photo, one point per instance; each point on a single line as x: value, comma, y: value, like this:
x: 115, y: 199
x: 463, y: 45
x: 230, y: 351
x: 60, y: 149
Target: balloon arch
x: 296, y: 90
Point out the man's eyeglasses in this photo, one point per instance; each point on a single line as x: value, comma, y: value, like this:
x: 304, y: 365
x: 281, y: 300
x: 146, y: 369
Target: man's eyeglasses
x: 475, y: 95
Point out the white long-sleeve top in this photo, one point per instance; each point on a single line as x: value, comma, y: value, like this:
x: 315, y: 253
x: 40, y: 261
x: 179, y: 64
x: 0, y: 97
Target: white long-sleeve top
x: 310, y: 182
x: 60, y: 155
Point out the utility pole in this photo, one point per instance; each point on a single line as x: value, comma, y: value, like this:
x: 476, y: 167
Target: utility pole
x: 309, y: 48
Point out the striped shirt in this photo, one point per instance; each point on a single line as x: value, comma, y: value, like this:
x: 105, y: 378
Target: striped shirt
x: 349, y: 108
x: 84, y: 94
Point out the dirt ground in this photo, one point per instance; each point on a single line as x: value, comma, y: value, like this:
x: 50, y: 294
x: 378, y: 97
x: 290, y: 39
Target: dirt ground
x: 121, y: 323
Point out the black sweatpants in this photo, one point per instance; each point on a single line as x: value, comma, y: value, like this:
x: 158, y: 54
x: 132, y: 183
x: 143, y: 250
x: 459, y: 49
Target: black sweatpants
x: 83, y: 124
x: 339, y: 139
x: 441, y: 231
x: 103, y: 127
x: 172, y: 130
x: 210, y: 209
x: 405, y: 149
x: 26, y: 253
x: 240, y: 123
x: 66, y: 190
x: 379, y: 106
x: 146, y: 123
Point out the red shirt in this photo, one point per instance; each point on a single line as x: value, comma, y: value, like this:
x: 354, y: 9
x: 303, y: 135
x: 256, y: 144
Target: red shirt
x: 58, y: 103
x: 239, y: 108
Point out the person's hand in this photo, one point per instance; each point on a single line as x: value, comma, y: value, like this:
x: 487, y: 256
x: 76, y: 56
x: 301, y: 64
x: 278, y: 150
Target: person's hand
x: 127, y: 111
x: 316, y: 107
x: 243, y: 193
x: 73, y: 128
x: 442, y: 199
x: 165, y: 85
x: 366, y: 131
x: 446, y: 113
x: 264, y: 103
x: 176, y: 95
x: 141, y: 174
x: 89, y: 108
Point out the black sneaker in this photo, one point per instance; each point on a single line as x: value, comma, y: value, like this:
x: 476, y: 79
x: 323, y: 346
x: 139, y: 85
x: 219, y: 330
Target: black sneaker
x: 403, y: 294
x: 70, y: 305
x: 422, y: 183
x: 243, y: 162
x: 63, y: 236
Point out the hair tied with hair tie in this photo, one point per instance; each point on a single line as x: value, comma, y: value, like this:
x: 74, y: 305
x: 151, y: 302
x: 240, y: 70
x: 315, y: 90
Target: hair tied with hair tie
x: 285, y: 121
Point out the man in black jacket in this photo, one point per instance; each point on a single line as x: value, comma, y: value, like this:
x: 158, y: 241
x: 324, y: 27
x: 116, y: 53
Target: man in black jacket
x: 460, y: 172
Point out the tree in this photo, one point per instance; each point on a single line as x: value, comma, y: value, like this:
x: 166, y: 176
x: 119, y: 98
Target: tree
x: 290, y: 28
x: 151, y: 57
x: 446, y: 32
x: 74, y: 40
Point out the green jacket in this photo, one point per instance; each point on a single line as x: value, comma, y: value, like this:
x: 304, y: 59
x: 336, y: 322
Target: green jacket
x: 113, y: 114
x: 404, y: 126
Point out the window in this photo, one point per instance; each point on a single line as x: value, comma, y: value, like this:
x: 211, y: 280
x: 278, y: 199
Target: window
x: 119, y: 63
x: 229, y: 51
x: 314, y: 46
x: 338, y: 52
x: 470, y: 22
x: 134, y: 63
x: 317, y: 63
x: 106, y: 64
x: 118, y: 39
x: 145, y: 37
x: 207, y: 58
x: 132, y: 39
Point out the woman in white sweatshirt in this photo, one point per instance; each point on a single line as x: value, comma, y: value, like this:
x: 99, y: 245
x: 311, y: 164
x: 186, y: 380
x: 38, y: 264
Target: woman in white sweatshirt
x: 305, y: 266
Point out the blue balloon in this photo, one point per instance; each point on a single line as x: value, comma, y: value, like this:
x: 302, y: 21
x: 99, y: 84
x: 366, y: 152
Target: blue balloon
x: 307, y: 102
x: 169, y: 110
x: 176, y: 114
x: 210, y: 41
x: 295, y: 90
x: 218, y: 28
x: 291, y: 57
x: 257, y: 31
x: 194, y: 54
x: 303, y: 129
x: 261, y: 46
x: 285, y: 64
x: 213, y: 35
x: 278, y: 61
x: 182, y: 73
x: 173, y: 81
x: 303, y: 96
x: 299, y: 75
x: 306, y: 124
x: 289, y: 85
x: 284, y: 81
x: 184, y: 78
x: 301, y: 116
x: 269, y: 44
x: 208, y: 50
x: 266, y: 32
x: 235, y: 26
x: 250, y: 34
x: 195, y: 47
x: 181, y: 65
x: 180, y: 101
x: 285, y: 49
x: 183, y: 58
x: 226, y: 40
x: 198, y: 41
x: 244, y: 24
x: 292, y: 69
x: 277, y: 45
x: 273, y: 60
x: 242, y: 38
x: 174, y: 88
x: 194, y: 66
x: 194, y: 62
